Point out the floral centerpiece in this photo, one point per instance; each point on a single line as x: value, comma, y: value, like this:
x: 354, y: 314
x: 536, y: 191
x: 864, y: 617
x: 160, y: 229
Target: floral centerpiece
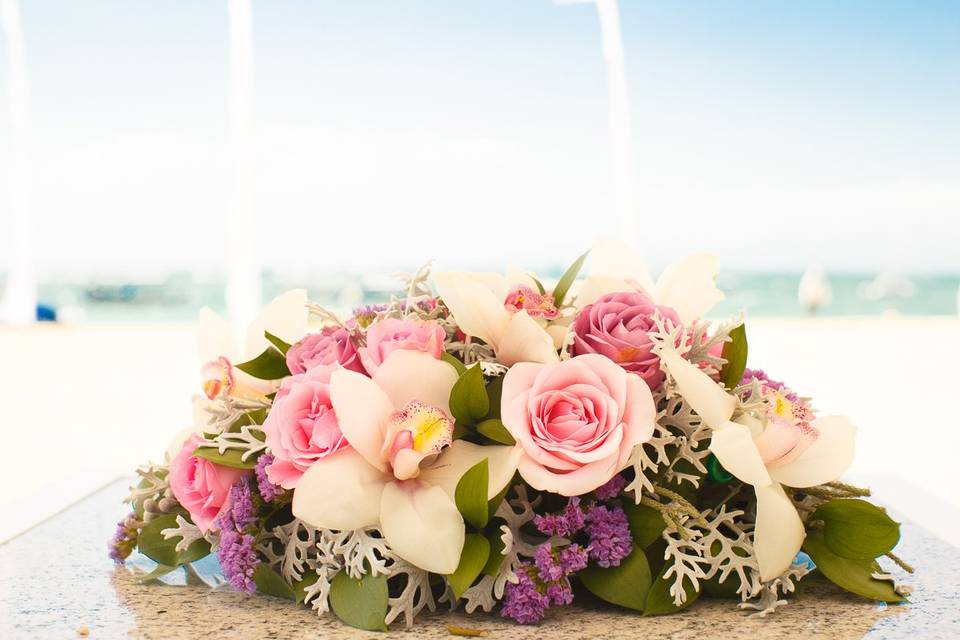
x: 501, y: 445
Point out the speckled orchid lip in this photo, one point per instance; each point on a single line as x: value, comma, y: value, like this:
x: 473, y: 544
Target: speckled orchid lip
x: 417, y: 432
x: 537, y: 305
x: 217, y: 377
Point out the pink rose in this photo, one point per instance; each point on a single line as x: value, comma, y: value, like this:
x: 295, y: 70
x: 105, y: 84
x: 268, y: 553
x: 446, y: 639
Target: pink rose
x: 617, y: 326
x: 301, y: 427
x: 200, y: 486
x: 332, y: 345
x: 577, y: 421
x: 392, y: 334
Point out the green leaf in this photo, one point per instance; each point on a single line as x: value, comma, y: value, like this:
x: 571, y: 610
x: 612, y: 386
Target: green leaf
x: 495, y: 430
x: 660, y: 602
x: 360, y: 603
x: 229, y: 458
x: 152, y: 544
x: 158, y: 572
x: 495, y: 558
x: 494, y: 503
x: 494, y: 392
x: 249, y: 419
x: 563, y: 285
x: 857, y: 529
x: 449, y: 358
x: 850, y: 574
x: 468, y: 398
x: 646, y: 523
x: 735, y: 353
x: 476, y: 552
x: 269, y: 365
x: 301, y: 585
x: 277, y: 342
x: 538, y: 283
x: 269, y: 582
x: 625, y: 585
x: 471, y: 494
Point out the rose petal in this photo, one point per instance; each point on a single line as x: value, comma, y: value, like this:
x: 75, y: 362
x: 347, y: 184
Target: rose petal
x: 340, y: 492
x: 572, y: 483
x: 421, y: 524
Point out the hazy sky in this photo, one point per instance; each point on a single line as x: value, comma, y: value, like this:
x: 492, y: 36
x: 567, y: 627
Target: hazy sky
x: 773, y: 133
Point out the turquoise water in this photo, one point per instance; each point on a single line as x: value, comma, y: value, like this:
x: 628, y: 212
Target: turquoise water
x: 179, y: 297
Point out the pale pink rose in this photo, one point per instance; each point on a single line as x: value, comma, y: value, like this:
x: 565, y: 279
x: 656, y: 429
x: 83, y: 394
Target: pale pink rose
x: 577, y: 421
x: 392, y: 334
x: 617, y: 326
x: 200, y: 486
x: 301, y: 427
x: 330, y: 346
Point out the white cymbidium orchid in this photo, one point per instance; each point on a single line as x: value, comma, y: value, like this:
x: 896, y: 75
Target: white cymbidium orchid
x: 286, y: 317
x: 766, y: 454
x: 508, y: 313
x: 401, y: 470
x: 687, y: 285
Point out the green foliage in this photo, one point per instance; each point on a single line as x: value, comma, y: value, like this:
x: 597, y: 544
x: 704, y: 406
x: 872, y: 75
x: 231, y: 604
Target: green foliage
x: 566, y: 280
x: 229, y: 458
x: 468, y: 398
x: 735, y: 353
x: 853, y: 575
x: 646, y: 523
x: 282, y: 346
x: 495, y: 559
x: 494, y: 429
x: 471, y: 494
x: 453, y: 360
x: 494, y: 503
x: 271, y: 583
x: 494, y: 392
x: 301, y: 585
x: 473, y: 559
x: 660, y: 602
x: 857, y: 529
x: 626, y: 585
x: 158, y: 572
x: 152, y: 544
x: 269, y: 365
x: 360, y: 603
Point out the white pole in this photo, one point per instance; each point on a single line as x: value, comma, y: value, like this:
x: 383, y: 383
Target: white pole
x: 619, y: 131
x: 243, y: 282
x: 19, y: 304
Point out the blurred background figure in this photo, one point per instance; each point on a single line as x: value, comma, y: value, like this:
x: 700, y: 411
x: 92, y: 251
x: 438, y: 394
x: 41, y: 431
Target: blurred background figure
x: 159, y: 157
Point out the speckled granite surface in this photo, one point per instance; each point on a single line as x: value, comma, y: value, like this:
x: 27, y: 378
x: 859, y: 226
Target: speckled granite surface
x: 56, y: 580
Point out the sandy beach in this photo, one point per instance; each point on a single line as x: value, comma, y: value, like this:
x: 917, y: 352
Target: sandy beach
x: 83, y: 405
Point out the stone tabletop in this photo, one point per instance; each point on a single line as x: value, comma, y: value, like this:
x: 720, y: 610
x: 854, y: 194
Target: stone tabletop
x: 57, y: 582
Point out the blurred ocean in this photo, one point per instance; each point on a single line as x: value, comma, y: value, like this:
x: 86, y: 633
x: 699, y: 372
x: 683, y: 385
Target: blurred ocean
x: 178, y: 297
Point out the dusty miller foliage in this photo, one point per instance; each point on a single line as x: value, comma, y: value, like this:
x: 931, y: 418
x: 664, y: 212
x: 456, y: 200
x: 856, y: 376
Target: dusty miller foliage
x: 152, y: 493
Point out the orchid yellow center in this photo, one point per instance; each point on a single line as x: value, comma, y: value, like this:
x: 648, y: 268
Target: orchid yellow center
x: 217, y: 377
x: 417, y: 432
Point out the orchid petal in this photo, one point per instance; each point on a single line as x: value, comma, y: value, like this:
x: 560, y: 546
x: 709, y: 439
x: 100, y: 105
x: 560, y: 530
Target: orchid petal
x: 460, y: 456
x: 285, y: 317
x: 733, y: 445
x: 474, y: 306
x: 414, y: 375
x: 700, y: 391
x: 421, y: 524
x: 689, y: 286
x: 215, y: 337
x: 779, y: 532
x: 559, y: 334
x: 363, y: 410
x: 340, y: 492
x: 615, y: 259
x: 525, y: 341
x: 593, y: 287
x: 499, y: 285
x: 826, y: 459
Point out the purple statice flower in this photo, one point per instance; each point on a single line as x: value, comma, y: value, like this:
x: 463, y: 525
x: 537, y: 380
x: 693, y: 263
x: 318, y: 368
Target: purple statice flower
x: 124, y: 539
x: 609, y: 532
x: 524, y: 601
x: 612, y: 488
x: 268, y: 490
x: 560, y: 593
x: 563, y: 524
x: 237, y: 525
x: 760, y: 376
x: 573, y: 558
x: 548, y: 568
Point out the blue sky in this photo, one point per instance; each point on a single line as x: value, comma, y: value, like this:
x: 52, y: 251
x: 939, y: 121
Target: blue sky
x: 774, y: 133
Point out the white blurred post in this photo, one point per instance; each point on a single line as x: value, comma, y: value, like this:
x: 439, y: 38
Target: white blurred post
x: 19, y: 304
x: 243, y: 280
x: 619, y: 132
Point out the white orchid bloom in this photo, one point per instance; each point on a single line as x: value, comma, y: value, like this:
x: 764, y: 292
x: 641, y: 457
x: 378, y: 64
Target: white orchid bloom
x: 286, y: 317
x: 401, y: 470
x: 688, y: 285
x: 508, y: 313
x: 766, y: 455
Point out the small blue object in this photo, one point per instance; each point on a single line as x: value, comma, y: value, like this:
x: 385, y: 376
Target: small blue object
x: 46, y: 313
x: 803, y: 558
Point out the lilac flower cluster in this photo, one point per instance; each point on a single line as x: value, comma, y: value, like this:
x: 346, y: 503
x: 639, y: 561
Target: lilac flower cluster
x: 612, y: 488
x: 544, y: 583
x: 268, y: 490
x: 749, y: 375
x: 124, y: 539
x: 238, y: 559
x: 563, y: 524
x: 609, y: 532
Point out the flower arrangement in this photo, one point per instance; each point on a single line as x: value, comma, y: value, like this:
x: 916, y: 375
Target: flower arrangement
x: 499, y: 444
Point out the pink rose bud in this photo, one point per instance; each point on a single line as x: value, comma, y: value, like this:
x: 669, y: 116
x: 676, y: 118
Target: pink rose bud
x: 392, y: 334
x: 200, y: 486
x: 332, y: 345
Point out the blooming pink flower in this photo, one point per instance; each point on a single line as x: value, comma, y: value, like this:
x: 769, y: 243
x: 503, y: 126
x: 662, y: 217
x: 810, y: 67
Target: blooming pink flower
x: 329, y: 346
x: 537, y: 305
x: 577, y: 421
x: 302, y: 426
x: 392, y: 334
x: 200, y: 486
x: 617, y: 326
